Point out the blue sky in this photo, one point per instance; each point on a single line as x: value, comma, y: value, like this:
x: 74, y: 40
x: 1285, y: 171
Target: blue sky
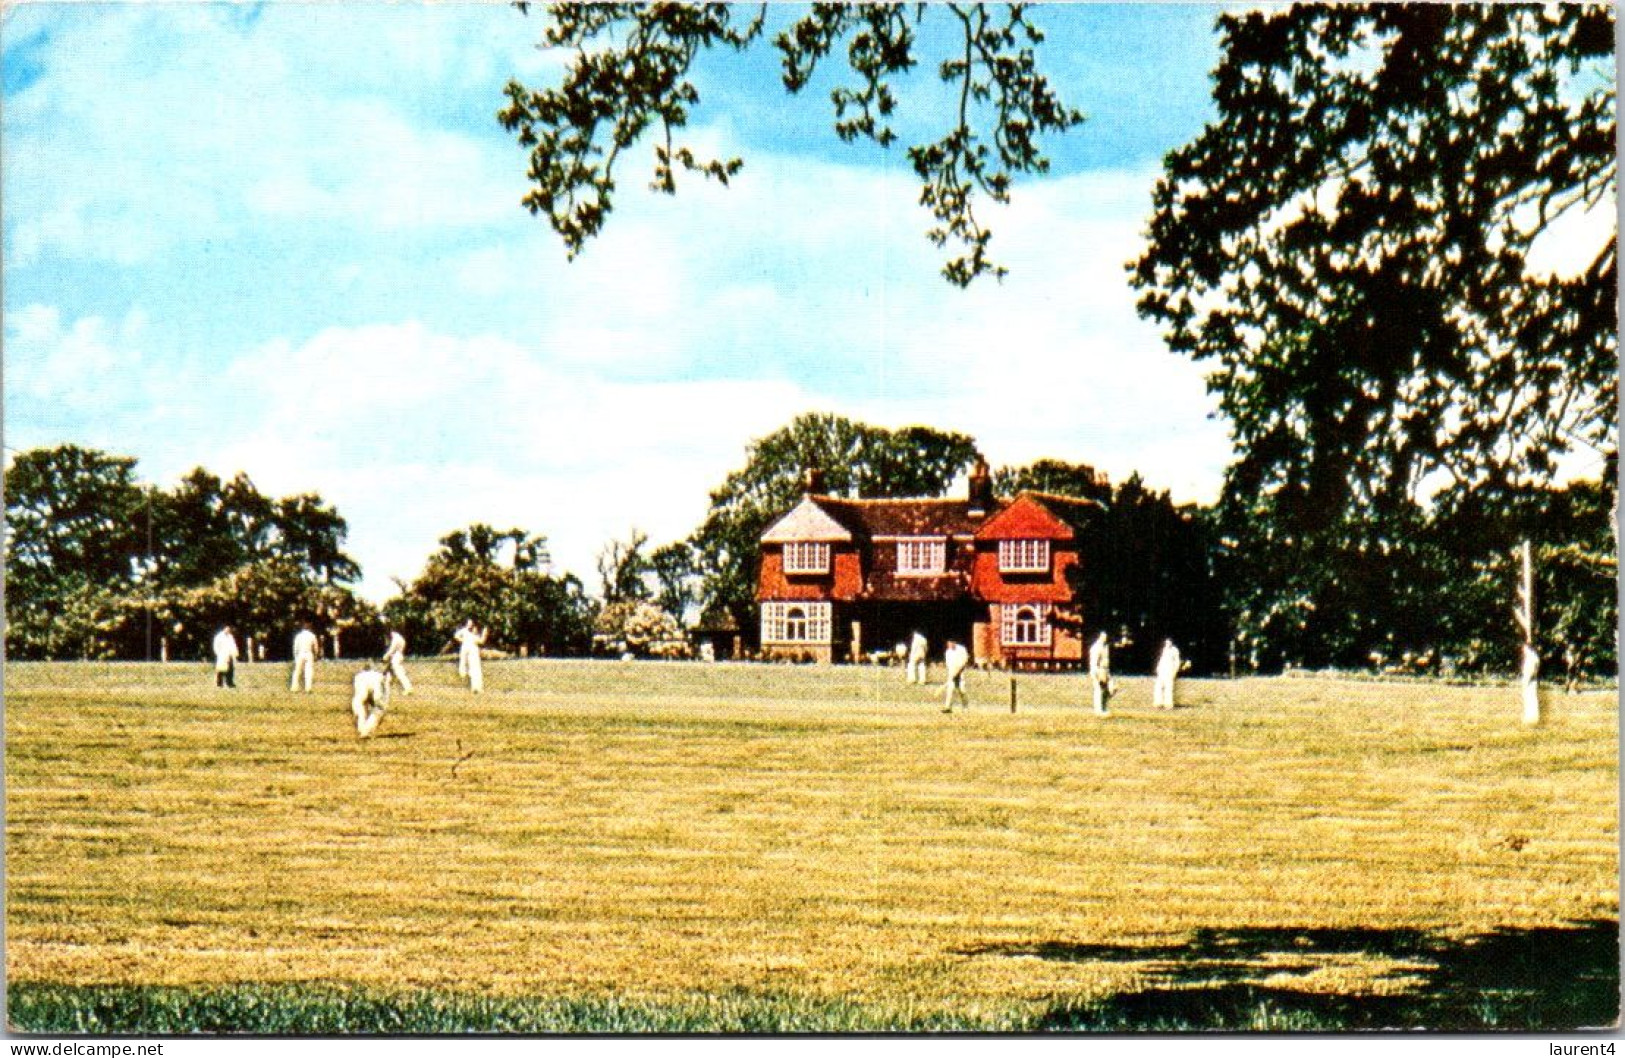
x: 285, y: 239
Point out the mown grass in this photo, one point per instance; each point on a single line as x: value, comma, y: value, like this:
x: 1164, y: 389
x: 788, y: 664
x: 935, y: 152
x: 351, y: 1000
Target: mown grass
x: 325, y: 1010
x: 651, y: 847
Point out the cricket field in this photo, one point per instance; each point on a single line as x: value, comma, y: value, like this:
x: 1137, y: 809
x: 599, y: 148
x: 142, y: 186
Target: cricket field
x: 629, y: 846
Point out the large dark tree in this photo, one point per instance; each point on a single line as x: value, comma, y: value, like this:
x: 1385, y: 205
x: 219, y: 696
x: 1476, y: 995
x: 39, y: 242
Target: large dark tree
x: 631, y: 75
x: 1147, y: 570
x: 1352, y: 246
x: 854, y: 459
x: 310, y: 533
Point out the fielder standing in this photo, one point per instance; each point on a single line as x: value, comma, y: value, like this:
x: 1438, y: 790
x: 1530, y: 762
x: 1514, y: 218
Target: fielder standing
x: 1100, y: 673
x: 305, y: 646
x: 957, y: 659
x: 471, y: 637
x: 225, y: 658
x: 917, y: 647
x: 395, y: 660
x: 1168, y: 666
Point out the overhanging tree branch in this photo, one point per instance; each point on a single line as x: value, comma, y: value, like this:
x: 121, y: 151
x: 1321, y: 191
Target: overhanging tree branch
x: 612, y: 94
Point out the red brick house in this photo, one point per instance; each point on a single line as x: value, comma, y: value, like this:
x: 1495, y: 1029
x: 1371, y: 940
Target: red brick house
x: 840, y: 578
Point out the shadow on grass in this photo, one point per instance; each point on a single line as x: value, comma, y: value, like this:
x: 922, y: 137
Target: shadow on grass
x: 1550, y: 979
x: 1547, y: 978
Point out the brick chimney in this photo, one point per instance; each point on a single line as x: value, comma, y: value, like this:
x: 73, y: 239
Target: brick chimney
x: 980, y: 489
x: 813, y: 481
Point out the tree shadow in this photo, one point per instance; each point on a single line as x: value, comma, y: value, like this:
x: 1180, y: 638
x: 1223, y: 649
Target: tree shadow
x: 1546, y: 978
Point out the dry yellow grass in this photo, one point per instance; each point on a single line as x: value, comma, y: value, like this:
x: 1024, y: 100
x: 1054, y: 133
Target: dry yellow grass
x: 661, y: 830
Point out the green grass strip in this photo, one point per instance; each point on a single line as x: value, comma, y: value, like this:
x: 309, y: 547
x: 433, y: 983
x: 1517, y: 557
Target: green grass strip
x: 333, y: 1010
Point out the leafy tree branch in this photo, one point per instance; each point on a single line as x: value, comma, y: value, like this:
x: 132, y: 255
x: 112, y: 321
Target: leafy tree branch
x: 630, y: 74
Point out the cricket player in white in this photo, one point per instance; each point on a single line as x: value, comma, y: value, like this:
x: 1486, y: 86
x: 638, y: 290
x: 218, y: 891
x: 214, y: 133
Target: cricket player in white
x: 304, y: 658
x: 471, y: 637
x: 370, y: 701
x: 1100, y: 673
x: 1168, y: 665
x: 225, y: 658
x: 916, y: 659
x: 395, y: 661
x: 957, y: 659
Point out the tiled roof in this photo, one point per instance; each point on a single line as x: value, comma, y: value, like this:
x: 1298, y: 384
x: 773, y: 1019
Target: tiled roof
x: 1080, y: 514
x: 910, y: 517
x: 941, y: 517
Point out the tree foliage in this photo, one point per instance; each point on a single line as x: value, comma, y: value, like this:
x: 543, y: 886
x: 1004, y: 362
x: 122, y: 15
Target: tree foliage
x: 73, y: 511
x: 678, y: 584
x: 207, y: 527
x: 1147, y: 567
x: 1362, y: 244
x: 854, y: 459
x: 639, y: 627
x: 1430, y: 589
x: 100, y: 565
x: 624, y: 569
x: 1353, y: 244
x: 480, y: 544
x: 498, y: 578
x: 1054, y: 476
x: 631, y: 75
x: 265, y: 599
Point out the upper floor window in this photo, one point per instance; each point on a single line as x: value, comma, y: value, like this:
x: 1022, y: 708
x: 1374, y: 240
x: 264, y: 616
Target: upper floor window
x: 806, y: 557
x: 795, y: 622
x: 1025, y: 626
x: 1023, y: 556
x: 922, y: 555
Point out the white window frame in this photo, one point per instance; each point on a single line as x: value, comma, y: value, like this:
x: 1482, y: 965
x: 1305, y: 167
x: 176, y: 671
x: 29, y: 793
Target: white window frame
x: 1024, y: 556
x: 1014, y: 632
x: 806, y: 556
x: 921, y: 556
x: 779, y: 620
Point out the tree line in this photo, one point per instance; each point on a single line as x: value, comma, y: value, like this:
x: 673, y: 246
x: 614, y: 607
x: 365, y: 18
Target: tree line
x: 100, y: 565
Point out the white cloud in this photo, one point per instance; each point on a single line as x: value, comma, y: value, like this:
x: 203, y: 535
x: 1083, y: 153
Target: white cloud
x: 413, y: 434
x: 87, y: 364
x: 630, y: 403
x: 1052, y: 362
x: 372, y: 169
x: 114, y: 157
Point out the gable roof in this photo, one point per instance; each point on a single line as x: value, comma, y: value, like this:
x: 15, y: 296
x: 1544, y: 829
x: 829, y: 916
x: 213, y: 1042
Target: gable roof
x: 807, y: 521
x: 1040, y: 516
x: 1080, y: 514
